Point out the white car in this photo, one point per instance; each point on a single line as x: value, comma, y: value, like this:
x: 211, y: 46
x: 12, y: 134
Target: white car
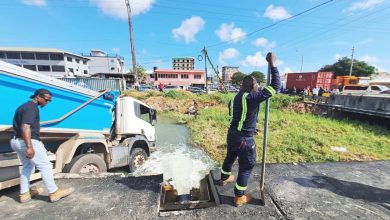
x: 364, y: 89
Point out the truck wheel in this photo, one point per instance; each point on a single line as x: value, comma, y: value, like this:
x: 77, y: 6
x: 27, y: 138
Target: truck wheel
x: 86, y: 163
x: 137, y: 157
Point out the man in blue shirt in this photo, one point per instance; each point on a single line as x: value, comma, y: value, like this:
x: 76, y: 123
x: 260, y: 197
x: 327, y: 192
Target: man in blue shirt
x: 243, y: 110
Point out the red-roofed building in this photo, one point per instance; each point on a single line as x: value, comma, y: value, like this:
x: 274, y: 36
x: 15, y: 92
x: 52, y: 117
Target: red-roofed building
x: 181, y: 78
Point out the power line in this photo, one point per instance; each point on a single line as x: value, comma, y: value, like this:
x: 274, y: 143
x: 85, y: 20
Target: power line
x: 273, y: 24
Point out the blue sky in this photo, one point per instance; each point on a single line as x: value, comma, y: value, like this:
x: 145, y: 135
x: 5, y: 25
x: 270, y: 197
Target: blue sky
x: 235, y: 32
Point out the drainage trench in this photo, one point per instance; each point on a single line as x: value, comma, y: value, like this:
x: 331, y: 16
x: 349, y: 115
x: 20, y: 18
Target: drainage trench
x: 185, y: 169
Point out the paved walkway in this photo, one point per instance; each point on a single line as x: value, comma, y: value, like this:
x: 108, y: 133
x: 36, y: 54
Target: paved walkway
x: 356, y: 190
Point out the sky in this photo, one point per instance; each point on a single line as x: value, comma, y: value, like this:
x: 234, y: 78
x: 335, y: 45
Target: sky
x: 305, y: 34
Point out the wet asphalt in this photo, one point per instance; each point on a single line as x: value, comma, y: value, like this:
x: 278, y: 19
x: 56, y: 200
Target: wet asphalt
x: 350, y: 190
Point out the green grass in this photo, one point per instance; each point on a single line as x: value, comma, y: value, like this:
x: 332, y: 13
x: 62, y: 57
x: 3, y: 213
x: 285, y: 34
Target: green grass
x: 295, y: 137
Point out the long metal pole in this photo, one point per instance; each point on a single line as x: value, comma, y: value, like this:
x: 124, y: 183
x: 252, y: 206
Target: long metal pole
x: 133, y: 59
x: 301, y: 62
x: 350, y: 70
x: 205, y: 66
x: 265, y: 137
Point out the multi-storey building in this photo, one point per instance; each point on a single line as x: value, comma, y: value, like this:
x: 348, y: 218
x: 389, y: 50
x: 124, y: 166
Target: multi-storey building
x: 102, y: 64
x: 227, y: 72
x: 185, y: 63
x: 52, y: 62
x: 181, y: 78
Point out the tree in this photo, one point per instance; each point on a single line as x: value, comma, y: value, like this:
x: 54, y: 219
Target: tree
x: 343, y: 65
x: 259, y: 76
x: 141, y: 74
x: 237, y: 78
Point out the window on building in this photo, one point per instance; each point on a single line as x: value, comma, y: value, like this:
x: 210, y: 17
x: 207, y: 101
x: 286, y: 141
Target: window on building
x: 28, y: 56
x: 197, y: 76
x: 30, y: 67
x: 169, y: 76
x: 112, y: 68
x: 45, y: 68
x: 18, y: 65
x: 184, y: 76
x: 85, y: 71
x: 69, y: 59
x: 151, y: 76
x: 56, y: 56
x: 2, y: 55
x: 56, y: 68
x: 13, y: 55
x: 42, y: 56
x: 112, y: 61
x: 71, y: 70
x: 77, y: 60
x: 84, y: 62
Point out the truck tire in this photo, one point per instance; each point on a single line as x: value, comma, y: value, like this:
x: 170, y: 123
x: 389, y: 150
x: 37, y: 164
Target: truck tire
x: 86, y: 163
x: 137, y: 157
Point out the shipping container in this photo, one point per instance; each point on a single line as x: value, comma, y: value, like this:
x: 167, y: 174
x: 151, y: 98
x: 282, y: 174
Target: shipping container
x: 98, y: 84
x: 309, y: 80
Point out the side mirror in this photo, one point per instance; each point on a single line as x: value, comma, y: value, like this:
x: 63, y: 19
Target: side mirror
x: 153, y: 116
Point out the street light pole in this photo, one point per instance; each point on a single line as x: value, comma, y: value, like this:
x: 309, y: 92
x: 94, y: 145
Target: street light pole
x: 133, y: 59
x: 350, y: 69
x: 301, y: 62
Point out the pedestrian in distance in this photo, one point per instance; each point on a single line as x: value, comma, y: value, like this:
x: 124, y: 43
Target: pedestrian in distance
x: 243, y: 110
x: 31, y: 151
x: 161, y: 87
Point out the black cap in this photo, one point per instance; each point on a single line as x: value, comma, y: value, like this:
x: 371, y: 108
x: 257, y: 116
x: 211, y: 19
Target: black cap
x: 41, y: 92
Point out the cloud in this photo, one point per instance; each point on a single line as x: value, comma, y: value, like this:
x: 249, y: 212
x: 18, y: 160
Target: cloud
x: 257, y: 60
x: 117, y: 9
x: 116, y: 50
x: 188, y: 29
x: 286, y: 70
x: 276, y: 13
x: 368, y: 59
x: 363, y: 5
x: 229, y: 53
x: 338, y: 56
x: 35, y: 2
x: 363, y: 42
x: 263, y: 42
x: 227, y: 33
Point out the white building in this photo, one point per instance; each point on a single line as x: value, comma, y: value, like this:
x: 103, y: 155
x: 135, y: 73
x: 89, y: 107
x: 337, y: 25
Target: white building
x: 101, y: 63
x: 183, y: 63
x: 228, y: 71
x: 52, y: 62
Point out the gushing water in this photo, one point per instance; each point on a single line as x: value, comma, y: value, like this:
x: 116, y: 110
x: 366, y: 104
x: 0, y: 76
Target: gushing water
x: 176, y: 159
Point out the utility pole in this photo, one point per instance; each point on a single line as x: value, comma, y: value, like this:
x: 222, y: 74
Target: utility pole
x: 205, y: 65
x: 301, y: 62
x: 350, y: 70
x: 133, y: 59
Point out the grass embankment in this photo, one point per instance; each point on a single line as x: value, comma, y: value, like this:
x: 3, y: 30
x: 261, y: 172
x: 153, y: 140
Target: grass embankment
x: 293, y: 136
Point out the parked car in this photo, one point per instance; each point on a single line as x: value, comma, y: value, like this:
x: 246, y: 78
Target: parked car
x: 144, y: 87
x: 364, y: 89
x: 385, y: 92
x: 196, y: 90
x: 171, y: 87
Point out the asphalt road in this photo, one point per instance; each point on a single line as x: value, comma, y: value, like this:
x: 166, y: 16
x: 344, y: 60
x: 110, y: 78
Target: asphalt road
x: 355, y: 190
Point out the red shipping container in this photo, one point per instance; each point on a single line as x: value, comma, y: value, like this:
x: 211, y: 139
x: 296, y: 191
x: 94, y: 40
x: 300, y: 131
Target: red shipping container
x: 310, y: 79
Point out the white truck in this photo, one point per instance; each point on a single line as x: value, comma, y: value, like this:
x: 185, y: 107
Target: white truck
x: 83, y: 130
